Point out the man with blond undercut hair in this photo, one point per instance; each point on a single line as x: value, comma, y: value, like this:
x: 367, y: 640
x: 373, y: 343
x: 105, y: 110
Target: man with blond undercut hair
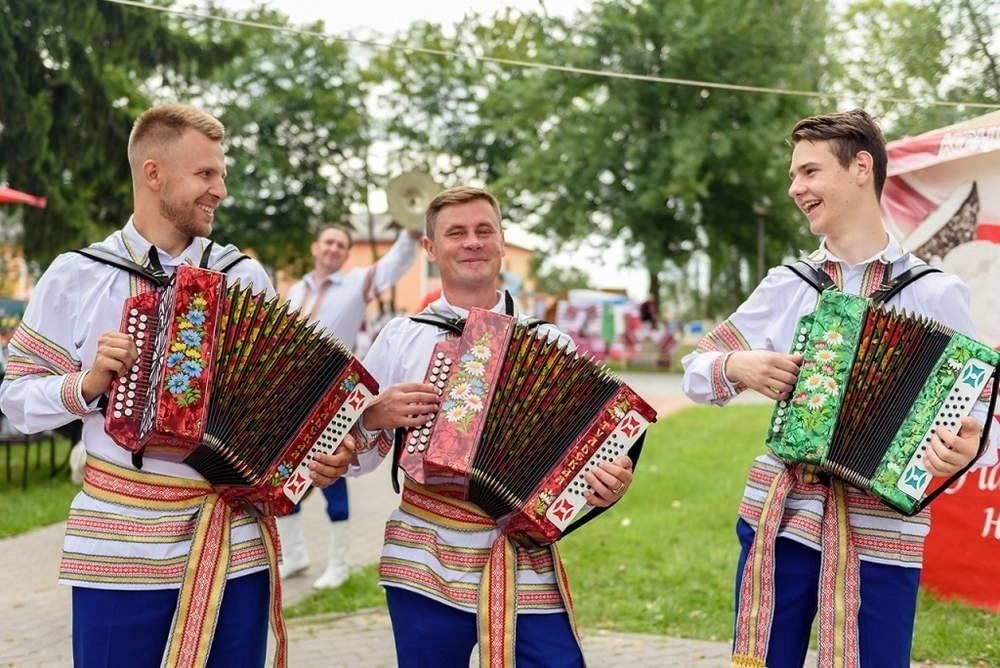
x: 129, y: 536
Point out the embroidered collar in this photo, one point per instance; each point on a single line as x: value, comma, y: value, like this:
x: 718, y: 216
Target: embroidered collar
x: 138, y: 247
x: 892, y: 251
x: 441, y: 307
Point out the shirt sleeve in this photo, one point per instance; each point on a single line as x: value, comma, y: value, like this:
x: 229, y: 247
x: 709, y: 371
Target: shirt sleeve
x: 296, y: 294
x: 251, y: 272
x: 395, y: 263
x: 946, y: 298
x: 756, y: 325
x: 374, y: 446
x: 42, y: 388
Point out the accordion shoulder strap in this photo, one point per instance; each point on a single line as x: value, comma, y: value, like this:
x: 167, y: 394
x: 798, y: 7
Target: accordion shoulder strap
x: 891, y: 288
x: 152, y: 273
x: 453, y: 325
x: 633, y: 454
x: 229, y: 259
x: 815, y: 277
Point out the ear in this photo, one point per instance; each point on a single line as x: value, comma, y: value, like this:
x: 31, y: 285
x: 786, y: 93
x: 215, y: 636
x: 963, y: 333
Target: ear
x: 864, y: 166
x: 428, y: 248
x: 152, y: 175
x: 314, y: 248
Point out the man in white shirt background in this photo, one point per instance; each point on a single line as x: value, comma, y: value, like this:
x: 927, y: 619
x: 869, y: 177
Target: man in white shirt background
x: 338, y: 299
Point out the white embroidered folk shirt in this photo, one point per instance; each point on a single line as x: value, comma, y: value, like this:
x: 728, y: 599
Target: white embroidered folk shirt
x: 76, y: 301
x: 767, y: 321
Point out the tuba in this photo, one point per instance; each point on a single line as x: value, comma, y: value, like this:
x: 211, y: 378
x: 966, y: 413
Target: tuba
x: 408, y: 195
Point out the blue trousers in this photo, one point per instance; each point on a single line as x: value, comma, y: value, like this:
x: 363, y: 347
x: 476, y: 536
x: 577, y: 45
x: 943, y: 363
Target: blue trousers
x: 128, y: 628
x: 429, y: 634
x: 337, y: 508
x: 885, y: 620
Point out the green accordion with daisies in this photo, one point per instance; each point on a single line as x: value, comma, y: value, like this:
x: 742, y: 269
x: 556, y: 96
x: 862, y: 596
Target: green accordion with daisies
x: 873, y: 387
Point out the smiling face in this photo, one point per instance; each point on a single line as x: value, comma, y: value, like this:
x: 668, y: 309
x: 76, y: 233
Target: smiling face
x: 827, y: 192
x: 330, y: 250
x: 192, y: 183
x: 467, y: 245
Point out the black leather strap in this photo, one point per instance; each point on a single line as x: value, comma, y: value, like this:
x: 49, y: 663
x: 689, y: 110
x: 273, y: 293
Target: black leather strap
x: 452, y: 325
x: 229, y: 265
x: 817, y: 278
x: 223, y: 264
x: 892, y: 287
x: 152, y: 272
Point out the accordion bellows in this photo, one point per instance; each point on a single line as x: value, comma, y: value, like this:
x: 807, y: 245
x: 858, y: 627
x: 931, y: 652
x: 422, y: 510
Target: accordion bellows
x: 236, y: 385
x: 873, y: 386
x: 521, y: 421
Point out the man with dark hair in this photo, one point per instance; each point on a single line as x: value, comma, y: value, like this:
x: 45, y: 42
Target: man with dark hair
x: 337, y: 299
x: 436, y: 547
x: 838, y: 166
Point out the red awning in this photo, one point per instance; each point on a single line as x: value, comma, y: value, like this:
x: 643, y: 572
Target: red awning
x: 11, y: 196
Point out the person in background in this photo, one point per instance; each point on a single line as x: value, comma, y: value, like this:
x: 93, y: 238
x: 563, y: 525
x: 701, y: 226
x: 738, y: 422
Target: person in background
x: 337, y: 299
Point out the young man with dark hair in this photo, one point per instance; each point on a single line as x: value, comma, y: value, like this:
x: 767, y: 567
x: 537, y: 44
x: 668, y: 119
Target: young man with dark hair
x: 838, y: 167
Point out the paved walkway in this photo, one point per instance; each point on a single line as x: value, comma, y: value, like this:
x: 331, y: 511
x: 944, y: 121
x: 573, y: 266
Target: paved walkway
x: 34, y: 610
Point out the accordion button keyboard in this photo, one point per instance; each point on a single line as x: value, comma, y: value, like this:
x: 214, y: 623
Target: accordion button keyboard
x: 969, y: 383
x: 571, y: 501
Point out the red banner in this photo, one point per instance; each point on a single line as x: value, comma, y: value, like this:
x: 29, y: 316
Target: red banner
x: 962, y: 552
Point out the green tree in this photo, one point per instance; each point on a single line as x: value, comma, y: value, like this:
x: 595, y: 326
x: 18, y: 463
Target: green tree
x: 673, y: 170
x: 924, y: 49
x: 73, y: 76
x: 297, y: 135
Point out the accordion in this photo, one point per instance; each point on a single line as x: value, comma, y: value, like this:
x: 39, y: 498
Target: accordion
x: 237, y: 386
x: 873, y: 387
x: 522, y: 420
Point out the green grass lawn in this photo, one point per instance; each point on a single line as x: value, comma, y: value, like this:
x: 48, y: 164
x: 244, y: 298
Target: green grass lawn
x: 664, y: 560
x: 360, y: 591
x: 45, y: 501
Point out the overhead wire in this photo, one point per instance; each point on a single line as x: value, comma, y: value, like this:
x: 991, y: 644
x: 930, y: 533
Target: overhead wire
x: 569, y: 69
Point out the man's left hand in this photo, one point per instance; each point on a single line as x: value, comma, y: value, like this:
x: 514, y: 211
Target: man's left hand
x: 609, y: 481
x: 950, y: 452
x: 326, y: 469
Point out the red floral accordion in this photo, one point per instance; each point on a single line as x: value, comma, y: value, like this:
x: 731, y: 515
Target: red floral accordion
x: 521, y: 421
x: 236, y: 385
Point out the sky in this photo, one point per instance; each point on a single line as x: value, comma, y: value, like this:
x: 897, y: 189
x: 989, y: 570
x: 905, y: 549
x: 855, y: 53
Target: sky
x: 601, y: 259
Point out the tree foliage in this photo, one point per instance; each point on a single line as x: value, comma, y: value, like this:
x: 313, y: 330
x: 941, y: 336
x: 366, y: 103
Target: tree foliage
x: 72, y: 78
x: 297, y: 135
x: 924, y: 49
x: 671, y: 169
